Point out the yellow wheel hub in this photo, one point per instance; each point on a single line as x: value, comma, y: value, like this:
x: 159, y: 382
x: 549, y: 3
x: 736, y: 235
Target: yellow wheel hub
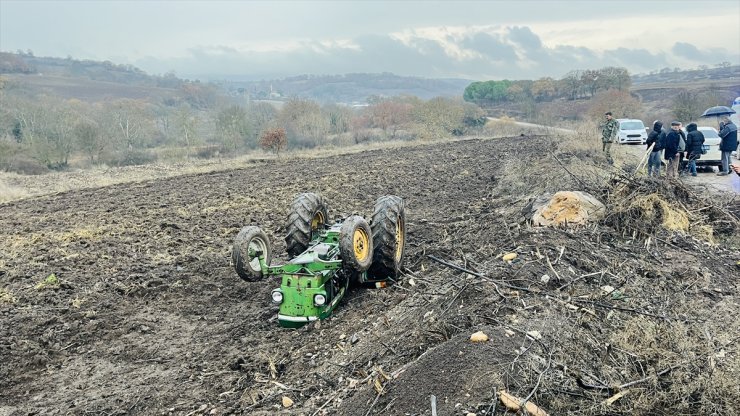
x: 317, y: 220
x: 399, y: 239
x: 361, y: 244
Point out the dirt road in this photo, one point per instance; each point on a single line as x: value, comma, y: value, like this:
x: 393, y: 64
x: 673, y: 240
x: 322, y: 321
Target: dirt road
x: 706, y: 178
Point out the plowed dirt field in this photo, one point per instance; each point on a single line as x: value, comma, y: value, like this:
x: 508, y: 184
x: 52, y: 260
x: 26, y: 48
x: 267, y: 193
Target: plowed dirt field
x: 122, y: 300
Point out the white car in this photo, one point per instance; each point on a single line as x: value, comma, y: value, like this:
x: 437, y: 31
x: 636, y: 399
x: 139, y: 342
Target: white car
x: 713, y: 157
x: 631, y: 131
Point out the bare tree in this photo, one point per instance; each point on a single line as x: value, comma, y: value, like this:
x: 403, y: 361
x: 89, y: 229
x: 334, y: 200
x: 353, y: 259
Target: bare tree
x: 590, y: 80
x: 90, y: 139
x: 304, y: 122
x: 615, y: 77
x: 686, y: 106
x: 620, y: 103
x: 234, y: 127
x: 186, y: 127
x: 390, y: 115
x: 261, y: 114
x: 572, y: 84
x: 439, y: 118
x: 544, y: 89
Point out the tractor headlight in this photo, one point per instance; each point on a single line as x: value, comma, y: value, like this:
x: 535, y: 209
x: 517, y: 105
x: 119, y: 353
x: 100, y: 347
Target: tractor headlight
x: 277, y: 296
x: 319, y: 300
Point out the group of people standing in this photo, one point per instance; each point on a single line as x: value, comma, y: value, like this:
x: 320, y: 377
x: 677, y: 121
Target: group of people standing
x: 680, y: 149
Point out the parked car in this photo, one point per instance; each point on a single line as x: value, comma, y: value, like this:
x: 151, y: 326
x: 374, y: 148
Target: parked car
x: 713, y: 157
x: 631, y: 131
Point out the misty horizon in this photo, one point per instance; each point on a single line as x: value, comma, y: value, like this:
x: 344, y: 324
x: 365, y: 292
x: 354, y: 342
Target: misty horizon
x: 464, y: 40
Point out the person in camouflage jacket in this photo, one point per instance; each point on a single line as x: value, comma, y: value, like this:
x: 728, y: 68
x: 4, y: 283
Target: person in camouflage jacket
x: 608, y: 134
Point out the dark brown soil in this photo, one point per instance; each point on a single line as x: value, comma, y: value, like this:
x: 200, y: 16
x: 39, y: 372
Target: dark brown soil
x: 149, y: 317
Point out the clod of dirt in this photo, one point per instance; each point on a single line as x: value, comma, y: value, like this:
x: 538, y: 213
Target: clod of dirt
x: 287, y: 402
x: 509, y: 256
x: 479, y: 336
x: 566, y: 207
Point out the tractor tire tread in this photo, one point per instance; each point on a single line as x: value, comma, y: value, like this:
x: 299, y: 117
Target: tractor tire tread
x: 388, y: 210
x: 241, y: 260
x: 303, y: 209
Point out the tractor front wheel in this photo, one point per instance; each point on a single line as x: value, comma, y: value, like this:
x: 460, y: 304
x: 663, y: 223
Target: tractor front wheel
x: 389, y: 237
x: 356, y: 244
x: 249, y: 243
x: 308, y: 215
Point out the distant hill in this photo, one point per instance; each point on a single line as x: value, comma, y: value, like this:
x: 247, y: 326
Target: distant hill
x: 347, y: 88
x: 94, y: 80
x: 676, y: 75
x: 106, y: 71
x: 68, y: 76
x: 720, y: 86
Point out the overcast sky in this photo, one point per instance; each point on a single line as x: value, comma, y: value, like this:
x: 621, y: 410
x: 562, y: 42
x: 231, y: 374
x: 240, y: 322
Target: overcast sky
x: 474, y: 39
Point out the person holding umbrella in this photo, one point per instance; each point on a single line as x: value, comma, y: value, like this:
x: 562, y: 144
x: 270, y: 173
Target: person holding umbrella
x: 728, y: 134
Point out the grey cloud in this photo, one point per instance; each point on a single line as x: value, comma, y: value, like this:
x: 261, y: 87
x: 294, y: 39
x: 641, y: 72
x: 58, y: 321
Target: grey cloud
x: 422, y: 57
x: 524, y: 37
x: 493, y: 47
x: 518, y: 53
x: 636, y: 58
x: 689, y: 51
x: 710, y: 56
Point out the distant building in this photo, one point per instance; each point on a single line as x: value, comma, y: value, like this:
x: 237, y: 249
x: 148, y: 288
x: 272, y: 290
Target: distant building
x: 274, y: 94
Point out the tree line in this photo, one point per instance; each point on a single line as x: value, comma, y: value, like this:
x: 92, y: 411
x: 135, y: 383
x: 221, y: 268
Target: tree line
x: 45, y: 132
x: 574, y: 85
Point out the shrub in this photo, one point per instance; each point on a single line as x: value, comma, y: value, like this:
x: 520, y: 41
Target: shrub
x: 133, y: 158
x: 620, y: 103
x: 207, y: 152
x: 367, y: 135
x: 19, y: 161
x: 274, y: 140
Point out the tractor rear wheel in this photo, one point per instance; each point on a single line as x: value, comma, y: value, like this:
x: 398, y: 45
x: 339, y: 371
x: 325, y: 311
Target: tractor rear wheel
x: 308, y: 215
x: 249, y: 241
x: 389, y: 237
x: 356, y: 244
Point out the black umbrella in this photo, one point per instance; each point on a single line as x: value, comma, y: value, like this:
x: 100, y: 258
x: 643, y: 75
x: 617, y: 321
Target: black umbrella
x: 718, y: 111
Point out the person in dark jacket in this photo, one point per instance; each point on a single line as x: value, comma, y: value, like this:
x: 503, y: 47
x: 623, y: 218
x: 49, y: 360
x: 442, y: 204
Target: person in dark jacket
x: 728, y: 144
x: 655, y: 139
x: 682, y: 163
x: 670, y: 150
x: 694, y: 143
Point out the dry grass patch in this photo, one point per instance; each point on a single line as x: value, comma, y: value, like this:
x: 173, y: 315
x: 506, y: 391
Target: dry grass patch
x: 6, y: 296
x: 235, y: 203
x: 11, y: 193
x: 17, y: 243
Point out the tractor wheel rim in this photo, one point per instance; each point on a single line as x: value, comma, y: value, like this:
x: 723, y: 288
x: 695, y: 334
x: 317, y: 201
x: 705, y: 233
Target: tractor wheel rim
x: 399, y: 239
x: 361, y: 244
x: 317, y: 220
x: 257, y: 244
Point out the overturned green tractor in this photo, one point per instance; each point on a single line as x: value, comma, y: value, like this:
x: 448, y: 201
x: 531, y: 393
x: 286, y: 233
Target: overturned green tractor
x: 326, y: 258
